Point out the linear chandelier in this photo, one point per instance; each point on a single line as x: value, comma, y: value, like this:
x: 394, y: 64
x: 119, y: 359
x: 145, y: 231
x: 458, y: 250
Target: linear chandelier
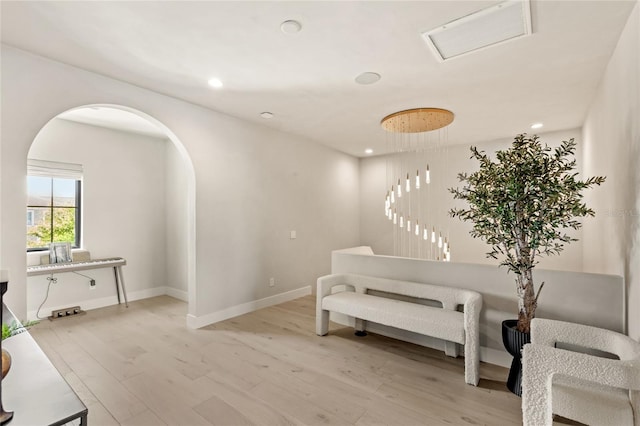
x: 417, y: 140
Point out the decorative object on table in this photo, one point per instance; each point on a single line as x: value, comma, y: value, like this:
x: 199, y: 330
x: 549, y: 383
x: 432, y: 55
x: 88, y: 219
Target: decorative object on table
x: 7, y: 331
x: 5, y: 416
x: 60, y: 253
x: 6, y: 362
x: 16, y: 328
x: 522, y: 206
x: 417, y: 160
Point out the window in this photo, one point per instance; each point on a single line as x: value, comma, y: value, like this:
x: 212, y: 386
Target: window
x: 53, y: 204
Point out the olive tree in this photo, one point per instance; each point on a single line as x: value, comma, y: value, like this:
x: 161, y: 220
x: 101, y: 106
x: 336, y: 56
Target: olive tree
x: 522, y: 205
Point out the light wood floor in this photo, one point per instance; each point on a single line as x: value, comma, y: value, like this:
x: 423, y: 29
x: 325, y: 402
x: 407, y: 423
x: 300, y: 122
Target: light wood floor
x: 142, y: 366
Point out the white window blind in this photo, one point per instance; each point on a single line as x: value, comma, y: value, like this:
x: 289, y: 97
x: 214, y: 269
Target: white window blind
x: 54, y: 169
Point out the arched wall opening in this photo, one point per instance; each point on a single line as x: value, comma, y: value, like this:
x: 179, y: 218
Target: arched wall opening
x: 138, y: 203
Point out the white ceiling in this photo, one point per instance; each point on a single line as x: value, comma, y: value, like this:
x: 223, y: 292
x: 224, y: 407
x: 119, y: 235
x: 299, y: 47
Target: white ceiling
x: 114, y: 118
x: 307, y: 79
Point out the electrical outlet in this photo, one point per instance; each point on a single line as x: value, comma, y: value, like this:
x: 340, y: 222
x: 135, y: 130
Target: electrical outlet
x: 272, y: 282
x: 92, y: 284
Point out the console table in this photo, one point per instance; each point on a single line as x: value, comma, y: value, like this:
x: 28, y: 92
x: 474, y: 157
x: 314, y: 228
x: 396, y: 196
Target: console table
x: 33, y: 389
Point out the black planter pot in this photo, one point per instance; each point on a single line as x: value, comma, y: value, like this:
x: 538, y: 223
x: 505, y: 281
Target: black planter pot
x: 513, y: 341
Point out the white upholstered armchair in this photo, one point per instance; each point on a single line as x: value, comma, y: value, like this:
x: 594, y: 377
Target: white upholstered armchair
x: 582, y: 387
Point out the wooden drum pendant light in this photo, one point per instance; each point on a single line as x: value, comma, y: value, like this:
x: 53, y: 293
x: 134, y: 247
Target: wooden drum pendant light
x: 417, y: 120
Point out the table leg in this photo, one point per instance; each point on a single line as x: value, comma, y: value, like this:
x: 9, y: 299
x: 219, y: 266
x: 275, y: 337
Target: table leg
x: 124, y: 290
x: 115, y: 272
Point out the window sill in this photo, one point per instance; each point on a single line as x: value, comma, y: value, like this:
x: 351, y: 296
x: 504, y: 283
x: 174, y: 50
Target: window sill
x: 35, y: 257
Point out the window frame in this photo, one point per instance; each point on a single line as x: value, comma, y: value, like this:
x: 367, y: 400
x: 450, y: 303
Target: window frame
x: 30, y: 216
x: 55, y: 170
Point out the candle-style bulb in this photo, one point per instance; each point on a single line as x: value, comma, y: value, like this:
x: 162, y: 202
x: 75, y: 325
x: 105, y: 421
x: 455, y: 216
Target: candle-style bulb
x: 433, y: 235
x: 407, y: 186
x: 393, y: 196
x: 401, y: 221
x: 418, y: 179
x: 427, y: 175
x: 399, y: 189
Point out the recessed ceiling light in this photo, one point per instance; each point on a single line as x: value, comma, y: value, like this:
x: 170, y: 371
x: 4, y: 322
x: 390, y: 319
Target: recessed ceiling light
x: 290, y: 27
x: 266, y: 115
x: 368, y: 78
x: 215, y: 83
x: 368, y: 151
x: 537, y: 125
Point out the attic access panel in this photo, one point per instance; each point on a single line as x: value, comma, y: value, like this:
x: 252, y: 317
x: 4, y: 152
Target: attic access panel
x: 503, y: 22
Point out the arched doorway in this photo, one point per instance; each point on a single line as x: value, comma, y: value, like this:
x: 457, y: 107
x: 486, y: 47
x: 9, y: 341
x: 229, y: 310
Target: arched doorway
x: 138, y: 197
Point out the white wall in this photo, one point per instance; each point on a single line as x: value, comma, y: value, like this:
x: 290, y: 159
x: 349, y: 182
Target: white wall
x: 612, y: 148
x: 123, y: 202
x: 252, y: 186
x: 377, y: 232
x: 176, y: 222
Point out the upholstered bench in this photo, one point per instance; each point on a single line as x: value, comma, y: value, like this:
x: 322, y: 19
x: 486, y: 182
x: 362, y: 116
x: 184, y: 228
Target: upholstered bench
x: 446, y: 322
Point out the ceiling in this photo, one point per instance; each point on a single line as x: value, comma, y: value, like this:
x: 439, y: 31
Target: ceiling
x: 114, y: 118
x: 306, y: 79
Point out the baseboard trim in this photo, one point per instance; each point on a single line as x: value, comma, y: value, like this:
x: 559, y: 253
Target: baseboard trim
x: 192, y: 321
x: 101, y: 302
x: 244, y: 308
x: 177, y: 294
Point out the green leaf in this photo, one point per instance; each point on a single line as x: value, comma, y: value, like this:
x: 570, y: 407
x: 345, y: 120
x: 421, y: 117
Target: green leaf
x: 521, y: 203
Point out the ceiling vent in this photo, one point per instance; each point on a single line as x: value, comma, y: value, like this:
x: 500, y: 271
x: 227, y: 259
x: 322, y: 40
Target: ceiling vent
x: 503, y: 22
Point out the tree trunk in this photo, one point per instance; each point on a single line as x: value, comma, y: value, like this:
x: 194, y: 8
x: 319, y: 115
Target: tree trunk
x: 527, y: 302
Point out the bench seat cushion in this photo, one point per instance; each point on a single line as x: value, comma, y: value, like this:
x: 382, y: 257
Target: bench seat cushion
x: 440, y: 323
